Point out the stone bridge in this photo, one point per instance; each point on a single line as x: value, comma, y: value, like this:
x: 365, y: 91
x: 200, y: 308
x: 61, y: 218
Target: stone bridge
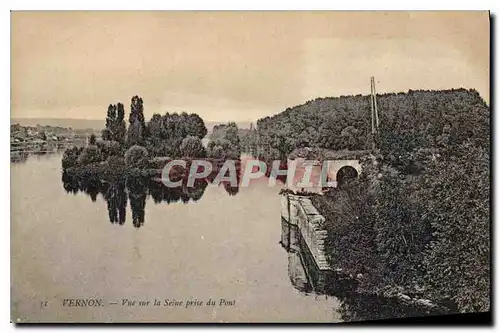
x: 335, y: 171
x: 338, y: 169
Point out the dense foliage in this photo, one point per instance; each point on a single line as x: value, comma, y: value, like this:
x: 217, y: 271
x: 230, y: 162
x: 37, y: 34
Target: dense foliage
x: 90, y: 154
x: 115, y: 124
x: 109, y: 148
x: 170, y: 135
x: 137, y: 125
x: 191, y: 146
x: 167, y: 132
x: 92, y: 140
x: 70, y: 157
x: 407, y: 120
x: 136, y: 157
x: 224, y: 142
x: 417, y: 219
x: 249, y: 140
x: 457, y: 206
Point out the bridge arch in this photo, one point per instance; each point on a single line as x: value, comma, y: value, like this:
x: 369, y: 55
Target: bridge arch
x: 345, y: 173
x: 343, y: 169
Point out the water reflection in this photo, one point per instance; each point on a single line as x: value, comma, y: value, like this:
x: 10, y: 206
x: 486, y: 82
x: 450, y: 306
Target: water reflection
x: 306, y: 277
x: 22, y: 156
x: 296, y: 271
x: 18, y: 157
x: 21, y: 151
x: 116, y: 198
x: 121, y: 191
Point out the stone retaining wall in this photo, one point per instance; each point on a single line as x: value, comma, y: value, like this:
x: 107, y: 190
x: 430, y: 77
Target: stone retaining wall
x: 299, y: 210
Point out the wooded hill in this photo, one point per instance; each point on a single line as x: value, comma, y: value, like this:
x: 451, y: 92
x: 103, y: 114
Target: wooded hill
x: 418, y: 118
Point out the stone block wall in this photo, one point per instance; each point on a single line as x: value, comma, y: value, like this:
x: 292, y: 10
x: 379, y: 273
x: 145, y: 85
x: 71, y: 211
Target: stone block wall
x: 301, y: 212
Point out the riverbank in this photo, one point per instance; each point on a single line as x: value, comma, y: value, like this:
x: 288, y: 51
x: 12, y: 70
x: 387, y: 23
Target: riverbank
x: 302, y: 212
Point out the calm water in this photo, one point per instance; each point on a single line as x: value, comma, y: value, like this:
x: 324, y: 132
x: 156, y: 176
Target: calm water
x: 140, y: 241
x: 151, y: 244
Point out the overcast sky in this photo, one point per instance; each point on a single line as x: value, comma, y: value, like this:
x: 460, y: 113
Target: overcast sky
x: 235, y: 65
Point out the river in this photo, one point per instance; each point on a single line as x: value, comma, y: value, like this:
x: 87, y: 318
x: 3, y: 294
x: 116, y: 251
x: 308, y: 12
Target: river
x: 220, y: 246
x: 139, y: 252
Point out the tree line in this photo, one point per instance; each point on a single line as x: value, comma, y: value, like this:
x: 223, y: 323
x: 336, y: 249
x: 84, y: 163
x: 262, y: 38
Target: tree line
x: 225, y: 141
x: 419, y: 118
x: 169, y: 135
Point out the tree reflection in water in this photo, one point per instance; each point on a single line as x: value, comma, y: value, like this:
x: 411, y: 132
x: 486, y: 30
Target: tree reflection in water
x: 120, y: 190
x: 116, y: 198
x: 18, y: 157
x: 137, y: 193
x: 161, y: 193
x: 230, y: 189
x: 306, y: 278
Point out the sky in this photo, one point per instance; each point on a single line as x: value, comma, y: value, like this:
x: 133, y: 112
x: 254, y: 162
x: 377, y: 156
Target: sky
x: 237, y: 66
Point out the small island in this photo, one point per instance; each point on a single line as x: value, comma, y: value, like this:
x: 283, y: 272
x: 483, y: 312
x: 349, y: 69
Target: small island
x: 142, y: 148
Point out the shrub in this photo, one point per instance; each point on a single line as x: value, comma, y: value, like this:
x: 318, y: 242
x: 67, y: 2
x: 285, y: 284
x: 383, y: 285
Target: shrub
x: 70, y: 157
x: 191, y: 146
x: 90, y: 154
x: 92, y: 139
x: 457, y: 201
x: 426, y: 235
x: 350, y: 243
x: 115, y: 164
x: 158, y: 147
x: 158, y: 162
x: 401, y: 234
x: 109, y: 148
x: 106, y: 134
x: 223, y: 148
x: 136, y: 157
x: 217, y: 151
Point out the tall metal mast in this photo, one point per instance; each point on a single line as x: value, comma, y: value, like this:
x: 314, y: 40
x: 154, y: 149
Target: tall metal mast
x: 372, y: 106
x: 374, y: 110
x: 374, y: 94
